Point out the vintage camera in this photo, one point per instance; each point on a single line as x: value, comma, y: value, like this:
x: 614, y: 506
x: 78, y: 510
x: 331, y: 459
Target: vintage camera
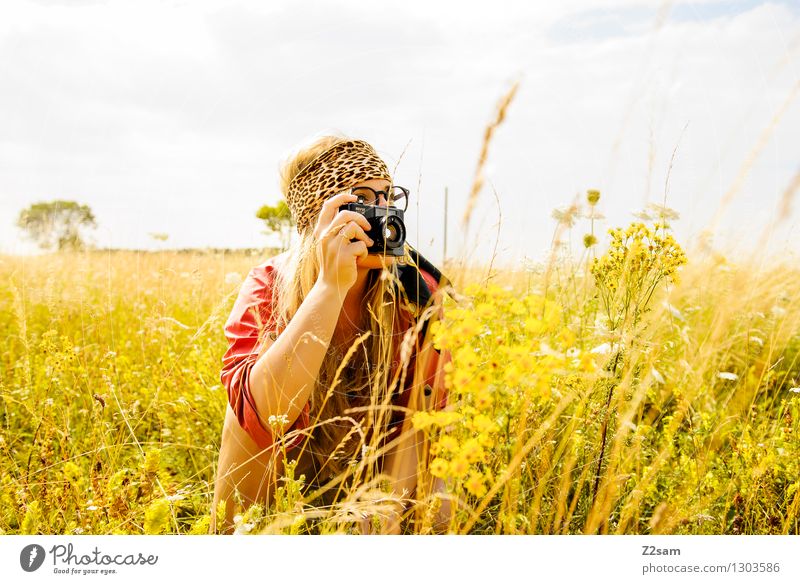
x: 387, y: 228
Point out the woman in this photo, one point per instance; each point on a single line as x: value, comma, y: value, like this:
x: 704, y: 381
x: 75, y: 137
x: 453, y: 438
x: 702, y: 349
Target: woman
x: 327, y: 352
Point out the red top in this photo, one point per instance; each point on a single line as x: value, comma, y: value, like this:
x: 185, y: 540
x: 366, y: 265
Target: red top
x: 255, y: 305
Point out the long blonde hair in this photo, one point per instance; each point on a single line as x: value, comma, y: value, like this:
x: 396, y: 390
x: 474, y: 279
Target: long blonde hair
x: 349, y: 399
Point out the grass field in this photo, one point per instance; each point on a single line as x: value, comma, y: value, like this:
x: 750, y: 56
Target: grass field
x: 586, y: 398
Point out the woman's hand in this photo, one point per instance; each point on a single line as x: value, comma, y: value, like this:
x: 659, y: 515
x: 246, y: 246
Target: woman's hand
x: 342, y: 240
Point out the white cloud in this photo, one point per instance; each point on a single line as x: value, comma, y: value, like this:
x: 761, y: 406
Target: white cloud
x: 172, y: 118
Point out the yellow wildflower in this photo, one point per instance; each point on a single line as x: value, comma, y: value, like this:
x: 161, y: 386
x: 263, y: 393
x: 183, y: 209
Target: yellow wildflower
x: 482, y: 424
x: 472, y: 451
x: 475, y: 484
x: 534, y: 326
x: 448, y: 443
x: 439, y: 467
x: 459, y: 466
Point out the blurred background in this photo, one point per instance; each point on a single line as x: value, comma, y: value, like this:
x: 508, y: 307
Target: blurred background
x: 169, y: 119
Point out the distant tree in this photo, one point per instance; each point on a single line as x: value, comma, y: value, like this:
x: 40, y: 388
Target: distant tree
x: 56, y: 224
x: 278, y: 219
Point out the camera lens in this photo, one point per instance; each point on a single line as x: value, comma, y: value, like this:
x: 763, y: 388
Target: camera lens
x: 393, y: 230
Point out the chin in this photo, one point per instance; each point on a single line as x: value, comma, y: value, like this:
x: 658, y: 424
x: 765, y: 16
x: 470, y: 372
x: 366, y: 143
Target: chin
x: 375, y: 262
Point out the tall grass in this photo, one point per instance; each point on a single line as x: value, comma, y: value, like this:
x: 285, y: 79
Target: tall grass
x: 112, y: 408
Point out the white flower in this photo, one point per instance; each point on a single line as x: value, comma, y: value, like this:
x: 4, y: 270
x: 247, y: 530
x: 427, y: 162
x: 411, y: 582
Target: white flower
x: 241, y: 528
x: 281, y: 420
x: 794, y: 389
x: 727, y: 375
x: 175, y: 497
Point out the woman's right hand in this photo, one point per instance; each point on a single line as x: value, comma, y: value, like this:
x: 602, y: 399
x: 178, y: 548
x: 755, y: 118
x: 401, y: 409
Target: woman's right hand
x: 342, y: 240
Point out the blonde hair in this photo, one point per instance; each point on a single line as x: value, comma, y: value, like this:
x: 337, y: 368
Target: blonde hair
x: 350, y: 397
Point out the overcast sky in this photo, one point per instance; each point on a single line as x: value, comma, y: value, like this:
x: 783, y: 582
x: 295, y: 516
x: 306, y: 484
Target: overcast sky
x: 171, y: 117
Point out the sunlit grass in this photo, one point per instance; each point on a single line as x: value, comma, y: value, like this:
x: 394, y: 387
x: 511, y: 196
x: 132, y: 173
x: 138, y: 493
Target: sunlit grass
x: 683, y: 420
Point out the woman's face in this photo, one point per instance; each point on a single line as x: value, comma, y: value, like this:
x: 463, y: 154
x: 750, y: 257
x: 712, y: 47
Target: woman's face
x: 375, y: 261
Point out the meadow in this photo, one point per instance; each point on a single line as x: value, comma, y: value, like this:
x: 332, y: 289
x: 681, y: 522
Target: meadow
x: 637, y: 389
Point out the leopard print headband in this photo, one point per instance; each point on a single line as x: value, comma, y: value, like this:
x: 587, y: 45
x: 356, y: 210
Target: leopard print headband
x: 338, y: 168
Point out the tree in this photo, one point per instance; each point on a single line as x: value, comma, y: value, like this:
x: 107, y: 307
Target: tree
x: 278, y: 219
x: 56, y: 224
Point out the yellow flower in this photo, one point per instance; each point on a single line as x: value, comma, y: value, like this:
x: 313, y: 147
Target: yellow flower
x: 466, y: 358
x: 482, y: 424
x: 473, y: 289
x: 486, y: 311
x: 566, y: 338
x: 495, y: 291
x: 448, y: 443
x: 421, y: 420
x: 459, y: 466
x: 461, y: 379
x: 475, y: 484
x: 513, y: 375
x: 483, y: 399
x: 534, y: 326
x: 445, y: 418
x: 439, y: 467
x: 472, y: 451
x: 467, y: 328
x: 587, y: 362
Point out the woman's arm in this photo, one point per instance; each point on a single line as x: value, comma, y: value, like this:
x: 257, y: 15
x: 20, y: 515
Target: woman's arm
x: 284, y: 374
x: 282, y: 379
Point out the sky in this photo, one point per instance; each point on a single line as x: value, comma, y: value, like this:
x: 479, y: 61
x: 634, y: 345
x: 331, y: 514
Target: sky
x: 173, y: 117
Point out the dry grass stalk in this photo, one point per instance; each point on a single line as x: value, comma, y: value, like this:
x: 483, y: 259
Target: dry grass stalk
x: 477, y: 182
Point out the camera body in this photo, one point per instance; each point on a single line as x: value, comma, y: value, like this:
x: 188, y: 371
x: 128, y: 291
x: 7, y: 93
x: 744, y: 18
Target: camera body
x: 387, y: 228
